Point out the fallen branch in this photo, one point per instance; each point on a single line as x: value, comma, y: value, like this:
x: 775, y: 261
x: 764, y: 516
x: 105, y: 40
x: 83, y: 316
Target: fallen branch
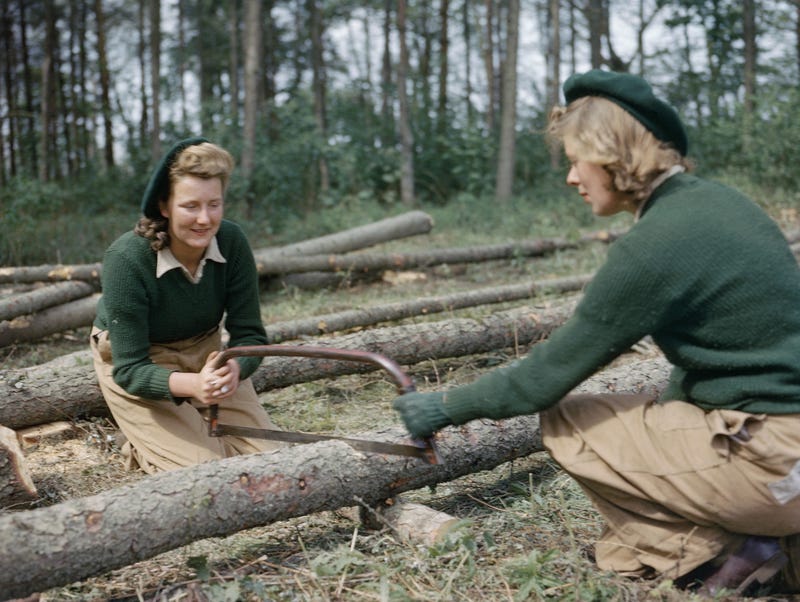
x: 52, y: 546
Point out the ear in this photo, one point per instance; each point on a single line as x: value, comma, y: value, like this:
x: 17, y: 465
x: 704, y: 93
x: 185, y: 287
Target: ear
x: 163, y: 207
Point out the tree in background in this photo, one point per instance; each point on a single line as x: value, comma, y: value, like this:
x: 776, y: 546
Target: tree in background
x: 508, y: 117
x: 313, y: 123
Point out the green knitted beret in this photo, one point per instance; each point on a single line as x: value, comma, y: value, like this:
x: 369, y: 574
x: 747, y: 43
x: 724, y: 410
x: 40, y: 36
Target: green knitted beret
x: 158, y: 186
x: 635, y: 95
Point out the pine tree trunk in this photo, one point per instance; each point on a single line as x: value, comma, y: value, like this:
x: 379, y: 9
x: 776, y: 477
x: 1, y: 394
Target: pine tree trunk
x: 508, y: 118
x: 364, y: 262
x: 407, y: 193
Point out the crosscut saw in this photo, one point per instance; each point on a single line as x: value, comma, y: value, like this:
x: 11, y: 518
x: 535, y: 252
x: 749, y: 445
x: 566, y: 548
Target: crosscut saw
x: 424, y: 449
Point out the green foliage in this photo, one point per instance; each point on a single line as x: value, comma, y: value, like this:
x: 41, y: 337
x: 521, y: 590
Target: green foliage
x: 764, y: 147
x: 54, y: 223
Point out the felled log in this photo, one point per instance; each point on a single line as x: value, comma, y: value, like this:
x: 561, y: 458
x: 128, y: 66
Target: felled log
x: 43, y: 297
x: 90, y: 272
x: 16, y: 484
x: 363, y: 262
x: 368, y: 316
x: 407, y: 224
x: 73, y: 314
x: 73, y: 540
x: 67, y: 387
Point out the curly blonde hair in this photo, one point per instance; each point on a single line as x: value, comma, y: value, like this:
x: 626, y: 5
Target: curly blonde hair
x: 205, y: 160
x: 605, y: 134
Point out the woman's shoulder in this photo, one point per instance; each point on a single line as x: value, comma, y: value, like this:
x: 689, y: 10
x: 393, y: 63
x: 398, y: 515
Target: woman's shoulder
x: 230, y: 234
x: 129, y: 242
x: 130, y: 248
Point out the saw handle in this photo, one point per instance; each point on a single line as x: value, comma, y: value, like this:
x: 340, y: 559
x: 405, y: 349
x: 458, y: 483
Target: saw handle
x: 403, y: 382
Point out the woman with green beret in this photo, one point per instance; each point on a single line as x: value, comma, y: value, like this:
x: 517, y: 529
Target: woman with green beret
x: 167, y: 285
x: 703, y: 484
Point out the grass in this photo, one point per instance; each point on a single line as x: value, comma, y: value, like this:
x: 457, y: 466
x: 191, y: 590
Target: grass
x: 526, y: 529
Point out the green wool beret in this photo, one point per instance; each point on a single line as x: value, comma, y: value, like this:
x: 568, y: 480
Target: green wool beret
x: 635, y: 95
x: 158, y: 186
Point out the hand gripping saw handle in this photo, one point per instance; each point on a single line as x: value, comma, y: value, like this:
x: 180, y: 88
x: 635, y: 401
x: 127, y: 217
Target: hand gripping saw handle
x: 424, y: 449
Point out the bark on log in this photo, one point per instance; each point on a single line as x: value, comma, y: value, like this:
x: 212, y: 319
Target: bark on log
x: 67, y: 387
x: 367, y: 316
x: 43, y: 297
x: 362, y: 262
x: 16, y: 484
x: 315, y: 281
x: 360, y: 237
x: 52, y: 546
x: 74, y: 314
x: 89, y: 272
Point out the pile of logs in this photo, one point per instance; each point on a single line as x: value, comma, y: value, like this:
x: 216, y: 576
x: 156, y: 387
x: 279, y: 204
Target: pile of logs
x: 69, y: 541
x: 39, y: 301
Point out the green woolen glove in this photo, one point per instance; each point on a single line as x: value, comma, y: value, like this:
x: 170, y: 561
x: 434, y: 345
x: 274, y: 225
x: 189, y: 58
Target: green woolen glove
x: 422, y: 413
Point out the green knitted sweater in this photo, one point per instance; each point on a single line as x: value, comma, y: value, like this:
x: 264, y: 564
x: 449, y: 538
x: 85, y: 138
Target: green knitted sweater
x: 139, y: 309
x: 705, y: 272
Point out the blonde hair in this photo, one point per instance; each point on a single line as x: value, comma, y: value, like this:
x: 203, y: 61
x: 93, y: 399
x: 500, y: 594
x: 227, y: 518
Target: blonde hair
x: 603, y: 133
x: 205, y: 160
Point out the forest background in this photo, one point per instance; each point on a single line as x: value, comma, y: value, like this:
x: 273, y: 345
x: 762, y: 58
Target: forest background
x: 365, y: 107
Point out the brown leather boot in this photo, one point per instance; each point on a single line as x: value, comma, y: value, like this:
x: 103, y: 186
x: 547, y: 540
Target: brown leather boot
x: 758, y: 560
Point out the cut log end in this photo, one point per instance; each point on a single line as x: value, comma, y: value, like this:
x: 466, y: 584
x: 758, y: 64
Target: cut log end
x: 16, y: 484
x: 416, y: 522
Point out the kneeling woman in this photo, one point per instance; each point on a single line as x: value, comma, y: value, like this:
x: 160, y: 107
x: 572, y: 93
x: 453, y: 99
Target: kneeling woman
x: 706, y: 480
x: 166, y: 287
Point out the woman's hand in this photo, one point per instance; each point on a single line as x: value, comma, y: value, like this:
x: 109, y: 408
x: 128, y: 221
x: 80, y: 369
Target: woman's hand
x: 209, y: 386
x: 220, y: 383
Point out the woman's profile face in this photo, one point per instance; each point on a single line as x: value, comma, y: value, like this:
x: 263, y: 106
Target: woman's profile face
x: 595, y: 185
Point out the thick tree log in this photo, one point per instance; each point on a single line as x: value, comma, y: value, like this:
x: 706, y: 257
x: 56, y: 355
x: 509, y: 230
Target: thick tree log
x: 89, y: 272
x: 16, y: 484
x: 52, y: 546
x: 362, y: 262
x: 43, y: 297
x: 408, y: 224
x: 368, y: 316
x: 74, y: 314
x: 67, y: 387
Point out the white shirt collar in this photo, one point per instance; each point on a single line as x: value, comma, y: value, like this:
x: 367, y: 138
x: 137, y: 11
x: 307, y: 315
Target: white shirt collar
x: 663, y: 177
x: 166, y: 261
